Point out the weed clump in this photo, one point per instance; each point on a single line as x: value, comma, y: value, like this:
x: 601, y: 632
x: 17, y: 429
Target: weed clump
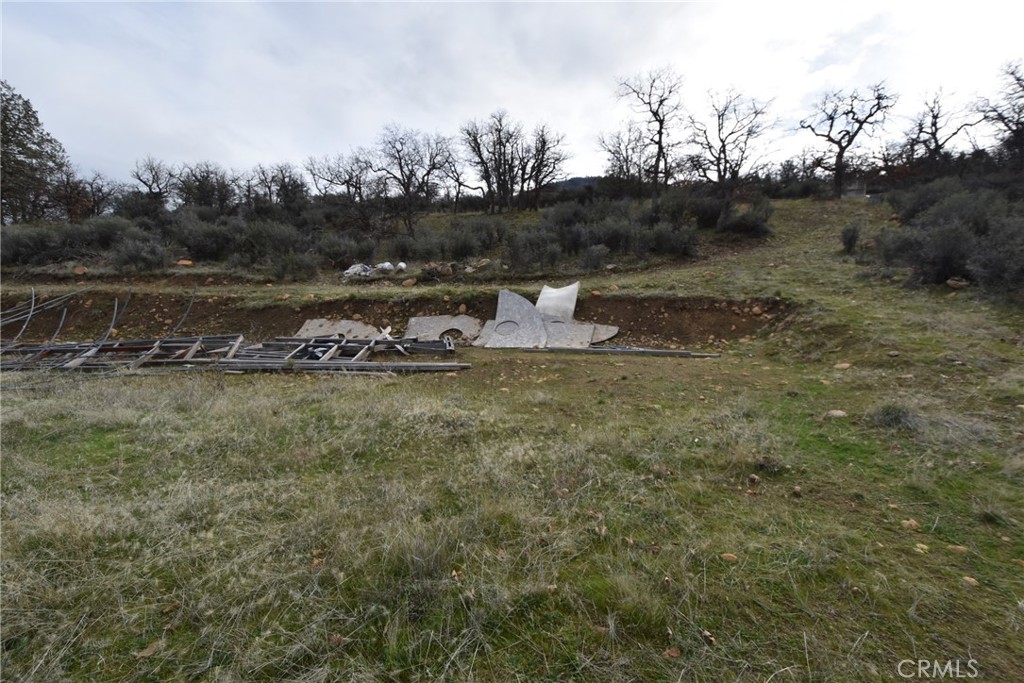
x: 893, y: 416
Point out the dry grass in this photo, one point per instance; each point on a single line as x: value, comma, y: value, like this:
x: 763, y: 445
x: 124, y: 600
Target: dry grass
x: 207, y: 527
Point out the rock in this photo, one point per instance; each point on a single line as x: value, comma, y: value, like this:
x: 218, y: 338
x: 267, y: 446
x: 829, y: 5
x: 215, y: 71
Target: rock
x: 409, y: 283
x: 957, y: 548
x: 957, y: 283
x: 595, y: 292
x: 911, y: 524
x: 462, y: 309
x: 79, y: 270
x: 612, y: 267
x: 969, y: 580
x: 894, y: 354
x: 729, y: 557
x: 757, y: 310
x: 754, y: 480
x: 921, y: 548
x: 183, y: 262
x: 842, y: 366
x: 613, y: 288
x: 835, y: 414
x: 797, y: 492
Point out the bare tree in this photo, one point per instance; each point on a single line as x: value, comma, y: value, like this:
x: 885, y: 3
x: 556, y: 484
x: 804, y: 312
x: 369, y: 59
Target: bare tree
x: 726, y: 146
x: 1006, y: 114
x: 205, y: 184
x: 839, y: 119
x: 935, y: 127
x: 541, y: 163
x: 156, y: 179
x: 493, y: 148
x: 412, y: 162
x: 628, y: 157
x: 655, y: 95
x: 103, y: 193
x: 511, y: 165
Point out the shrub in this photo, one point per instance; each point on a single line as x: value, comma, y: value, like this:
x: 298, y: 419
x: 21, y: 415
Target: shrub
x: 263, y: 239
x: 614, y: 233
x: 595, y: 256
x: 893, y: 416
x: 528, y: 250
x: 294, y: 266
x: 669, y: 240
x: 849, y: 237
x: 207, y: 241
x: 910, y: 203
x: 337, y: 250
x: 139, y: 255
x: 974, y: 210
x: 998, y: 260
x: 24, y: 245
x: 461, y: 244
x: 752, y: 222
x: 565, y: 214
x: 945, y: 252
x: 707, y: 211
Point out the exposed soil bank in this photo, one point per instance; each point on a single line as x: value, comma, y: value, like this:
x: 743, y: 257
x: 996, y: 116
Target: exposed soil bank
x: 657, y: 321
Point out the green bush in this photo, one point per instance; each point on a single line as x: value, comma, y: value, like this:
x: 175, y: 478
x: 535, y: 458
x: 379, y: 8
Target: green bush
x: 671, y: 240
x: 997, y: 262
x: 293, y: 266
x: 912, y: 202
x: 595, y: 257
x: 751, y: 222
x: 27, y: 245
x: 565, y: 214
x: 264, y: 239
x: 208, y: 241
x: 850, y: 236
x: 138, y: 255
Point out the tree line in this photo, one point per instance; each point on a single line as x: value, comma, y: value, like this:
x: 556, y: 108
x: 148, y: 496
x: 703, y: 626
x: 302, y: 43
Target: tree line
x: 496, y: 164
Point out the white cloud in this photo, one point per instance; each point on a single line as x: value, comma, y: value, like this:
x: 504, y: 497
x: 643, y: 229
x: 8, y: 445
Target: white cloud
x: 242, y: 83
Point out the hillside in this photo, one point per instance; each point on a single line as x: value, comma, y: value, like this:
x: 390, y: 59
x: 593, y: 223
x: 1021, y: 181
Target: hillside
x: 840, y: 492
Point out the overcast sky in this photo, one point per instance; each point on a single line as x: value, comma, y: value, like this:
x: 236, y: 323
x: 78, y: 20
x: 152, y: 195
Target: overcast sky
x: 242, y: 83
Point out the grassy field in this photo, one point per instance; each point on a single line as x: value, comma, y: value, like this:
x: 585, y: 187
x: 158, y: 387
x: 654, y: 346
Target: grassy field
x: 546, y: 517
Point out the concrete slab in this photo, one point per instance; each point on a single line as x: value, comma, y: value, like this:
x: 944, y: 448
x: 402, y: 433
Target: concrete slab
x: 433, y: 327
x: 558, y: 303
x: 603, y: 333
x: 517, y: 324
x: 568, y: 335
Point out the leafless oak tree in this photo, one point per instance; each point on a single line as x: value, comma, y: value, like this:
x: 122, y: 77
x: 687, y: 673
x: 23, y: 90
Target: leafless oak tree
x: 726, y: 142
x: 655, y: 95
x: 1006, y: 114
x: 840, y: 118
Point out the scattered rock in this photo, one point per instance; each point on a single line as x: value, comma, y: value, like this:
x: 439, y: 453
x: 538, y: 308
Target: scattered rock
x: 613, y: 288
x: 757, y: 310
x: 672, y: 653
x: 835, y: 414
x: 957, y: 283
x: 894, y: 354
x: 754, y: 480
x: 970, y: 580
x: 957, y: 548
x: 595, y: 292
x: 729, y: 557
x: 462, y: 309
x: 921, y: 548
x: 187, y: 263
x: 708, y: 637
x: 409, y: 283
x: 797, y: 491
x: 79, y: 270
x: 911, y: 524
x: 842, y: 366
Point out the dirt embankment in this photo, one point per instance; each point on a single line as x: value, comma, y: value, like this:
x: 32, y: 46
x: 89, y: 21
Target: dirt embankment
x: 656, y: 321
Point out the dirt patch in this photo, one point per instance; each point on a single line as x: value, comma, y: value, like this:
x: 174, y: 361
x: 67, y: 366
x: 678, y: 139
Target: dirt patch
x: 659, y: 322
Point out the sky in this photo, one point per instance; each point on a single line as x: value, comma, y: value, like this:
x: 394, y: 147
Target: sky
x: 242, y: 83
